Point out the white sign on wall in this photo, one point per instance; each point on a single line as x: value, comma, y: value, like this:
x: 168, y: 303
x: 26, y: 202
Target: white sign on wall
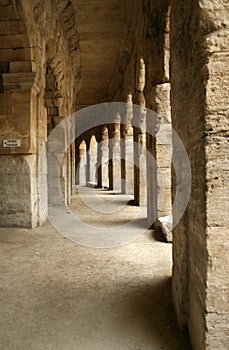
x: 12, y: 143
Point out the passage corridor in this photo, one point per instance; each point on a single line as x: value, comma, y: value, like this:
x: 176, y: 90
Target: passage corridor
x: 55, y: 294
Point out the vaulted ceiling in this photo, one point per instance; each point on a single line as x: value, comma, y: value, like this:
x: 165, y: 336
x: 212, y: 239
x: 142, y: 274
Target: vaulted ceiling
x: 100, y: 24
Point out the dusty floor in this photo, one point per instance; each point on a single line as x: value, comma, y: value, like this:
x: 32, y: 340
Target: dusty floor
x: 55, y: 294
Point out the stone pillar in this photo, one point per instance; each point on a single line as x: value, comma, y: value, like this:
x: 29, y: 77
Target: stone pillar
x: 42, y: 168
x: 140, y: 188
x: 77, y: 162
x: 114, y: 156
x: 123, y: 157
x: 87, y: 163
x: 93, y: 161
x: 57, y: 160
x: 110, y: 162
x: 57, y: 116
x: 151, y: 165
x: 66, y: 177
x: 18, y: 171
x: 99, y: 165
x: 81, y: 162
x: 105, y: 158
x: 127, y: 159
x: 72, y: 151
x: 199, y: 101
x: 161, y: 105
x: 73, y: 166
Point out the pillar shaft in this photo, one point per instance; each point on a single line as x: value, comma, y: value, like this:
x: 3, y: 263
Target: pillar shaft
x: 99, y: 165
x: 87, y: 165
x: 159, y: 174
x: 123, y: 159
x: 105, y: 158
x: 77, y: 164
x: 140, y: 188
x: 115, y: 156
x: 151, y: 169
x: 127, y: 158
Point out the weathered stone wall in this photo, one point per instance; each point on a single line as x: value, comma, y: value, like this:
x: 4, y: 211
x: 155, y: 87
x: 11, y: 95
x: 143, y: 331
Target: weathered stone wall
x: 40, y: 73
x: 18, y: 104
x: 217, y: 174
x: 199, y: 77
x: 17, y: 175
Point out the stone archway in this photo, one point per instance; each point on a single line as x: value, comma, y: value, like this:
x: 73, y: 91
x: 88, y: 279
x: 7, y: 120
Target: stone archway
x: 82, y: 164
x: 93, y: 160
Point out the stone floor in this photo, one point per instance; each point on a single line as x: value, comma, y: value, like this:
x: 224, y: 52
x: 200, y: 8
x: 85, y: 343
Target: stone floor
x: 56, y: 294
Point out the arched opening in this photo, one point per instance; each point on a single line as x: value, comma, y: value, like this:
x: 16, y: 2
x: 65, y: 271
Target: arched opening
x: 129, y: 160
x: 82, y: 163
x: 93, y: 161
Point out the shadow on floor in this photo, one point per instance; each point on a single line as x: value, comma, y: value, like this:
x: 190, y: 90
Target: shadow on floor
x: 127, y: 313
x: 55, y: 295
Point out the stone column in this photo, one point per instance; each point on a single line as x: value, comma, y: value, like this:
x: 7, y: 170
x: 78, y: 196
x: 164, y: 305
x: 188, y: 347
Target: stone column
x: 114, y: 156
x: 18, y: 171
x: 77, y: 162
x: 140, y: 188
x: 161, y: 106
x: 105, y: 158
x: 127, y: 159
x: 71, y: 164
x: 57, y: 160
x: 93, y: 161
x: 42, y: 169
x: 87, y: 163
x: 99, y: 165
x: 151, y: 165
x: 81, y: 162
x: 73, y: 167
x: 110, y: 162
x: 123, y: 156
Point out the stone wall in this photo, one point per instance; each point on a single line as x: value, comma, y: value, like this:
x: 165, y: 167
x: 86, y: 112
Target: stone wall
x: 199, y: 49
x: 217, y: 174
x: 39, y: 73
